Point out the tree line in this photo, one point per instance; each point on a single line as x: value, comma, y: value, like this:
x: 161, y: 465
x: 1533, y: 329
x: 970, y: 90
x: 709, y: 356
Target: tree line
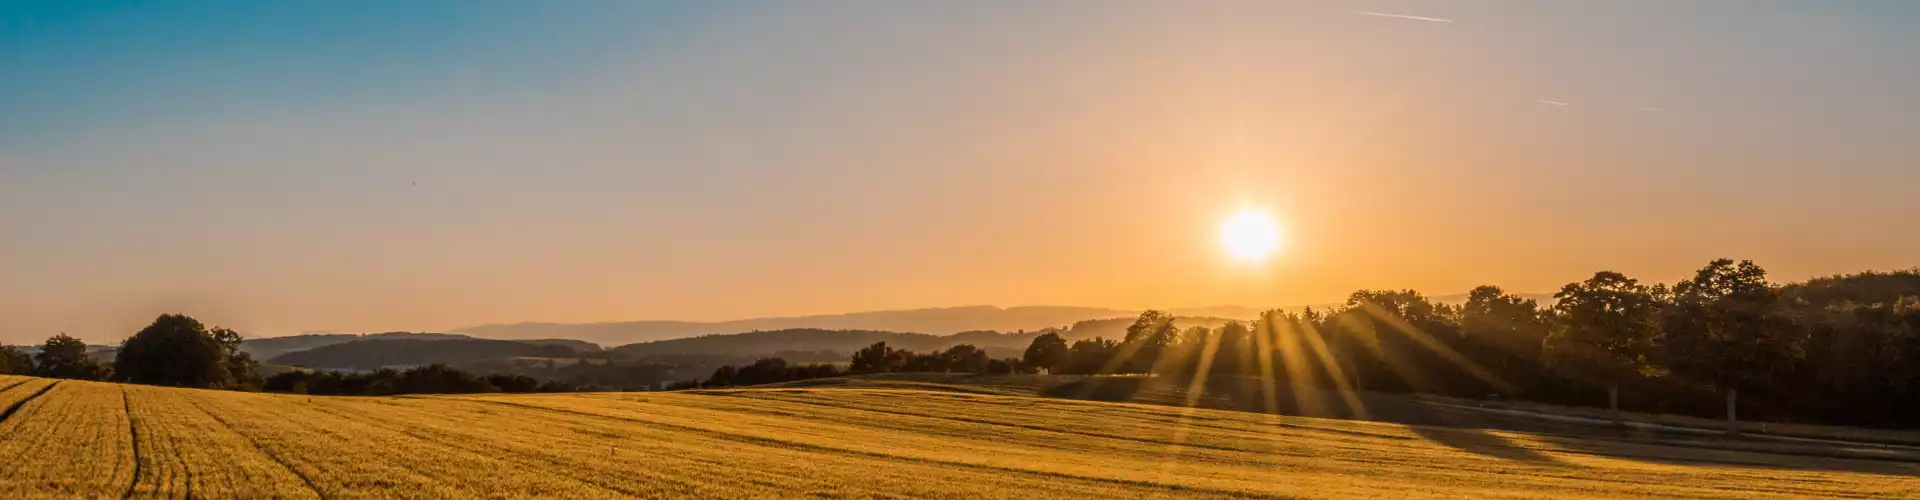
x: 1832, y: 350
x: 876, y: 358
x: 175, y: 350
x: 430, y: 379
x: 179, y: 351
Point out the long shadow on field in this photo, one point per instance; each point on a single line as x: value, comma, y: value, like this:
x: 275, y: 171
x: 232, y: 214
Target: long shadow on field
x: 1111, y: 389
x: 1480, y: 442
x: 1464, y: 429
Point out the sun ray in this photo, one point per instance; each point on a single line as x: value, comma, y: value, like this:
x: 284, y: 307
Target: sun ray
x: 1432, y: 344
x: 1263, y: 338
x: 1335, y: 373
x: 1196, y: 387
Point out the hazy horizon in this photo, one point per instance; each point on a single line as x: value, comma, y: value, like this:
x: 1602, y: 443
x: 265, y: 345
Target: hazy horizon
x: 422, y: 166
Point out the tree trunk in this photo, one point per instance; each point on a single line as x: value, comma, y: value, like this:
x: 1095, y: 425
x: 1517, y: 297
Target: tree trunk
x: 1613, y: 403
x: 1733, y: 422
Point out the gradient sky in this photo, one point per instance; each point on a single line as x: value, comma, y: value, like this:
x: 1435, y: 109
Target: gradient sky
x: 279, y: 167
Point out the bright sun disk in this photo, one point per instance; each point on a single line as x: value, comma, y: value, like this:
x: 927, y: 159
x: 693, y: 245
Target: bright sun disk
x: 1250, y: 235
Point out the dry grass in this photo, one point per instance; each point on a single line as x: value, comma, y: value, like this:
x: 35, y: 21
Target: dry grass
x: 85, y: 439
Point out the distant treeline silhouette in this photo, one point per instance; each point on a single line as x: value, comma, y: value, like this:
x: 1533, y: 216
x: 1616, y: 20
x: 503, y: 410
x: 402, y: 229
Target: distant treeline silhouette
x: 1833, y: 350
x: 877, y: 358
x: 179, y: 351
x: 174, y: 351
x: 430, y: 379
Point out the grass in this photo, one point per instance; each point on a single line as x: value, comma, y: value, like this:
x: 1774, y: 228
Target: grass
x: 88, y: 439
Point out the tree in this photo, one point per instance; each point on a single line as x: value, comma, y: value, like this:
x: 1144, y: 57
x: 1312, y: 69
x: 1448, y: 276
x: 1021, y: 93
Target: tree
x: 965, y: 358
x: 66, y: 357
x: 242, y: 371
x: 1234, y: 351
x: 877, y: 358
x: 175, y: 350
x: 13, y: 361
x: 722, y: 376
x: 1090, y: 356
x: 1504, y: 331
x: 439, y: 379
x: 1607, y: 325
x: 1047, y: 352
x: 1724, y: 327
x: 1147, y: 339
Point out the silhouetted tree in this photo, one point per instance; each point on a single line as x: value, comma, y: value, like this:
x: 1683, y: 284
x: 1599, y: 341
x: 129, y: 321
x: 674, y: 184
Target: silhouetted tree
x: 14, y: 361
x: 1090, y: 356
x: 66, y: 357
x: 513, y: 383
x: 439, y: 379
x: 1505, y: 332
x: 1723, y: 327
x: 1606, y: 326
x: 877, y: 358
x: 1047, y: 352
x: 722, y: 376
x: 1146, y: 341
x: 177, y: 350
x: 964, y: 358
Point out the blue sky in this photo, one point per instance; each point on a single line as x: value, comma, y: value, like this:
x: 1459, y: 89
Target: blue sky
x: 370, y: 166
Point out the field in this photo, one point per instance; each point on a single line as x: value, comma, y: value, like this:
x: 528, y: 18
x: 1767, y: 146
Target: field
x: 84, y: 439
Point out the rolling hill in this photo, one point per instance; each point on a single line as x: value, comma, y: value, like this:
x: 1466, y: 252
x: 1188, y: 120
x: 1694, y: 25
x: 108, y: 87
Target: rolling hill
x: 88, y: 439
x: 936, y: 321
x: 391, y: 352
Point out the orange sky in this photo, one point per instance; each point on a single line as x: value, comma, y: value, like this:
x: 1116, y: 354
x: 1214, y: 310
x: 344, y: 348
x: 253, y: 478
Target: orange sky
x: 777, y: 160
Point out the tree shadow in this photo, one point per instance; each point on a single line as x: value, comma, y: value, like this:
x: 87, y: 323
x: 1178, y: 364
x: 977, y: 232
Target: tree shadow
x: 1481, y: 442
x: 1110, y: 389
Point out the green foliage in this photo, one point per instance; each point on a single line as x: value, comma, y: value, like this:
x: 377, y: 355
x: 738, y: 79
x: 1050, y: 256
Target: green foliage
x: 179, y: 351
x: 1606, y: 327
x: 63, y: 356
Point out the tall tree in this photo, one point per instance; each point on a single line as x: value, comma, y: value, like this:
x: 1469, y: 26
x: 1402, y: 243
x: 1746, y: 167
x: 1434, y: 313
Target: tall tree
x: 179, y: 351
x: 63, y: 356
x: 1047, y: 352
x: 1723, y: 326
x: 1607, y: 326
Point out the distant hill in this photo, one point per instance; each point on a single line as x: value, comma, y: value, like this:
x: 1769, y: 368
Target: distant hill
x: 271, y: 347
x: 936, y: 321
x: 766, y: 343
x: 930, y: 321
x: 373, y: 353
x: 997, y: 344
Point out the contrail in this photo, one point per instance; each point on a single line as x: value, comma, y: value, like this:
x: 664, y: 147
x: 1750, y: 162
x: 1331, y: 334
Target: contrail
x: 1544, y: 101
x: 1650, y: 108
x: 1400, y: 16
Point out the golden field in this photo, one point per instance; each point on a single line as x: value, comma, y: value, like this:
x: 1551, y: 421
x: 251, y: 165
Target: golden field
x: 65, y: 439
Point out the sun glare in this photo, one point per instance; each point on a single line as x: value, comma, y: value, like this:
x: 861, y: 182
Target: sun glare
x: 1250, y: 236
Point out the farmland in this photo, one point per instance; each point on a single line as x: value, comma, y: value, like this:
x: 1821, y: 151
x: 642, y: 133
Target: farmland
x: 87, y: 439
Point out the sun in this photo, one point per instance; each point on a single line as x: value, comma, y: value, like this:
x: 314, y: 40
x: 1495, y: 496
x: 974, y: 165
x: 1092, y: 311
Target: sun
x: 1250, y: 236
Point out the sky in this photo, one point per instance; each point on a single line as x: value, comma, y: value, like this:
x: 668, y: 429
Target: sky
x: 362, y: 166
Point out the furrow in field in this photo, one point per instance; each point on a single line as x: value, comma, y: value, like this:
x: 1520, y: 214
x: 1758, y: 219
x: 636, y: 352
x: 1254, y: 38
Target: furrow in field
x: 1496, y: 447
x: 906, y: 446
x: 782, y: 470
x: 70, y: 442
x: 188, y: 453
